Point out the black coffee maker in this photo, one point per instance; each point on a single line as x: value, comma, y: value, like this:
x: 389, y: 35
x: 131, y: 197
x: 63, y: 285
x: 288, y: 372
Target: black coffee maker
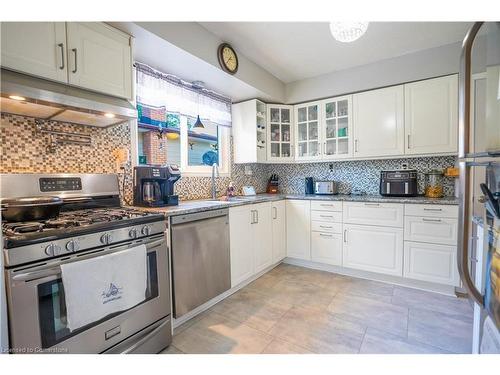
x: 154, y: 185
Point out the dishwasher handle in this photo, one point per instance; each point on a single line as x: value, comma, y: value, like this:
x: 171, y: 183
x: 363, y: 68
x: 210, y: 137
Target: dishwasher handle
x: 187, y: 218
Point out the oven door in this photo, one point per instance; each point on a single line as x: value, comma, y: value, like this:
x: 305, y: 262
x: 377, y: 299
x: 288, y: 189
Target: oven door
x: 37, y: 309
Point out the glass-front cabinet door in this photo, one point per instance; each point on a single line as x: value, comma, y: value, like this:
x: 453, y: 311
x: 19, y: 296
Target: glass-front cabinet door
x: 280, y: 132
x: 337, y: 127
x: 307, y: 130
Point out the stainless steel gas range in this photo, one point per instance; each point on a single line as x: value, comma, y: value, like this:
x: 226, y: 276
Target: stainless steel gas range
x: 91, y: 224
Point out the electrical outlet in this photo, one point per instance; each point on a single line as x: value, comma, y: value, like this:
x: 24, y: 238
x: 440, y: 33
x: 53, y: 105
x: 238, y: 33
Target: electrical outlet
x: 330, y: 167
x: 248, y: 170
x: 404, y: 165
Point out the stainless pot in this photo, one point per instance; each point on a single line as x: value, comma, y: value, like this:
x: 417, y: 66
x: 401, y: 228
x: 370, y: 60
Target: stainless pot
x: 30, y: 208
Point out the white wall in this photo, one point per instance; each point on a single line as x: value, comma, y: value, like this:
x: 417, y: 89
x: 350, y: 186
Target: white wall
x: 420, y: 65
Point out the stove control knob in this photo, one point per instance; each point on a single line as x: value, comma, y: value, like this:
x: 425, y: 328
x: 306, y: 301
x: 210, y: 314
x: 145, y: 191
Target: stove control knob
x: 146, y: 230
x: 52, y: 249
x: 106, y: 238
x: 72, y: 246
x: 132, y: 233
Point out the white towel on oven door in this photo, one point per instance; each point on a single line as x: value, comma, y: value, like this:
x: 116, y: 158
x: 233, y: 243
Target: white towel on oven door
x: 97, y: 287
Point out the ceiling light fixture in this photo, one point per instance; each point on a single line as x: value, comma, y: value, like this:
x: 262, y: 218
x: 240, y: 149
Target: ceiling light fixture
x: 109, y: 115
x: 17, y: 97
x: 347, y: 32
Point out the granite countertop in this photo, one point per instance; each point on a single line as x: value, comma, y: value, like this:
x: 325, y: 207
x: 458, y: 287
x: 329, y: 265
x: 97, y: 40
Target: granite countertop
x: 188, y: 207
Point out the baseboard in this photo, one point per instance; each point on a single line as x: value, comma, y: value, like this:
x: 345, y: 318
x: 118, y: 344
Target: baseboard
x: 416, y: 284
x: 193, y: 313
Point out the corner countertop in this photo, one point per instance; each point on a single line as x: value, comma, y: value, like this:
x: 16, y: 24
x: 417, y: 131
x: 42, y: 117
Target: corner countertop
x: 193, y: 206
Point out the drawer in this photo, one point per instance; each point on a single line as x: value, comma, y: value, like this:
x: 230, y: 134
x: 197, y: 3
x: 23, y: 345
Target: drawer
x: 431, y: 210
x: 431, y: 229
x: 326, y: 248
x: 379, y: 214
x: 321, y: 226
x: 431, y: 262
x: 327, y: 216
x: 326, y: 206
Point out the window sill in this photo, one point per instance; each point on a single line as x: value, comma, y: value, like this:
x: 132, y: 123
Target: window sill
x: 203, y: 174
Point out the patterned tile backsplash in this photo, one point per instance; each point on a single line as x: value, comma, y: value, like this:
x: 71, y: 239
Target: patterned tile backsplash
x: 23, y: 150
x: 360, y: 174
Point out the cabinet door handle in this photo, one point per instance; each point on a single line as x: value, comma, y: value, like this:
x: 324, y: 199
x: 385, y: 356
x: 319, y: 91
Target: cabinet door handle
x: 408, y: 141
x: 256, y: 216
x: 324, y: 148
x: 252, y: 217
x: 61, y: 46
x: 76, y: 60
x: 431, y: 220
x: 275, y: 213
x: 355, y: 145
x: 345, y: 235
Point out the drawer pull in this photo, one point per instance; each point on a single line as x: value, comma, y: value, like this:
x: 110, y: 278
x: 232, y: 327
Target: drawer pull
x: 326, y: 205
x: 325, y: 227
x: 372, y: 204
x: 328, y: 216
x: 325, y: 235
x: 431, y: 220
x: 433, y: 209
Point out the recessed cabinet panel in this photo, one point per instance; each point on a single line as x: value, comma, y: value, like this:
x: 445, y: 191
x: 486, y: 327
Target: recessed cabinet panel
x: 100, y: 58
x: 36, y: 48
x: 298, y: 229
x: 241, y: 244
x: 431, y: 116
x: 262, y: 236
x: 374, y: 249
x: 431, y: 229
x: 379, y: 122
x: 387, y: 214
x: 431, y: 262
x: 279, y: 230
x: 326, y: 248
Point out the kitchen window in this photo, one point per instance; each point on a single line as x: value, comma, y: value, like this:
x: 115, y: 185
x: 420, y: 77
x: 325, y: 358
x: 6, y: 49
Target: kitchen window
x: 167, y: 112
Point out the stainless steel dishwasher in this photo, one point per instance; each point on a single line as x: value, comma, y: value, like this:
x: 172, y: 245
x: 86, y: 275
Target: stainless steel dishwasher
x: 201, y: 268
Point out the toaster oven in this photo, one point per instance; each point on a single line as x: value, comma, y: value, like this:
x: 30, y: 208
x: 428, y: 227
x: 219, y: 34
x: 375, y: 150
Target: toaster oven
x: 325, y: 187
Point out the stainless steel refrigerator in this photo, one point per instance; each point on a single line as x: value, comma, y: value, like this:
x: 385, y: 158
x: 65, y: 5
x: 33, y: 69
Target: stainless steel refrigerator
x: 479, y: 185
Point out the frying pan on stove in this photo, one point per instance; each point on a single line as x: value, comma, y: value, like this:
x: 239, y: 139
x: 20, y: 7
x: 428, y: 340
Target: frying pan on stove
x: 30, y: 208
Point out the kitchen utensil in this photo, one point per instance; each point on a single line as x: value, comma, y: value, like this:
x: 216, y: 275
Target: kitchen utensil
x: 30, y: 208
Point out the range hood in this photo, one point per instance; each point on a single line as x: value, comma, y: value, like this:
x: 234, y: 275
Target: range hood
x: 39, y: 98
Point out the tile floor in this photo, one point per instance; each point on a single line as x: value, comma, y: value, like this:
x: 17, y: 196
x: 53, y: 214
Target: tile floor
x: 298, y: 310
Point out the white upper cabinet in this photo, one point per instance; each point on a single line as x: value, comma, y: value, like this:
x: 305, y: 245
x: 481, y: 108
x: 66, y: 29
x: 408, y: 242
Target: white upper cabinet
x: 36, y: 48
x: 379, y: 122
x: 100, y: 58
x: 249, y: 131
x: 336, y: 127
x: 307, y: 130
x: 431, y: 110
x: 280, y: 133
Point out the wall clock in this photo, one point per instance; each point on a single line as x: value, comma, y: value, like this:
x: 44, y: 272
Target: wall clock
x: 228, y: 59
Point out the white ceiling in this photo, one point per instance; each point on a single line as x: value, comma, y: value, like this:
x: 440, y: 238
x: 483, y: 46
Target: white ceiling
x: 293, y: 51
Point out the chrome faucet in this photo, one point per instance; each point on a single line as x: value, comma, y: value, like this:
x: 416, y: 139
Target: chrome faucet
x: 215, y: 173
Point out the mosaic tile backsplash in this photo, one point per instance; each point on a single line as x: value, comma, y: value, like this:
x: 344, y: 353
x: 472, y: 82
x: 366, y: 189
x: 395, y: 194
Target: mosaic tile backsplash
x: 23, y: 150
x: 360, y: 174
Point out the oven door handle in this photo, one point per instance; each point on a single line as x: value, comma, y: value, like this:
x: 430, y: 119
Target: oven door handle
x: 53, y: 271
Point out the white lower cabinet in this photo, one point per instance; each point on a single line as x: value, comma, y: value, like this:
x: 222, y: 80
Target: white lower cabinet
x: 298, y: 229
x: 372, y: 213
x: 442, y: 231
x: 279, y: 230
x: 262, y: 236
x: 241, y: 244
x: 251, y: 240
x: 431, y: 262
x: 326, y: 248
x: 374, y: 249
